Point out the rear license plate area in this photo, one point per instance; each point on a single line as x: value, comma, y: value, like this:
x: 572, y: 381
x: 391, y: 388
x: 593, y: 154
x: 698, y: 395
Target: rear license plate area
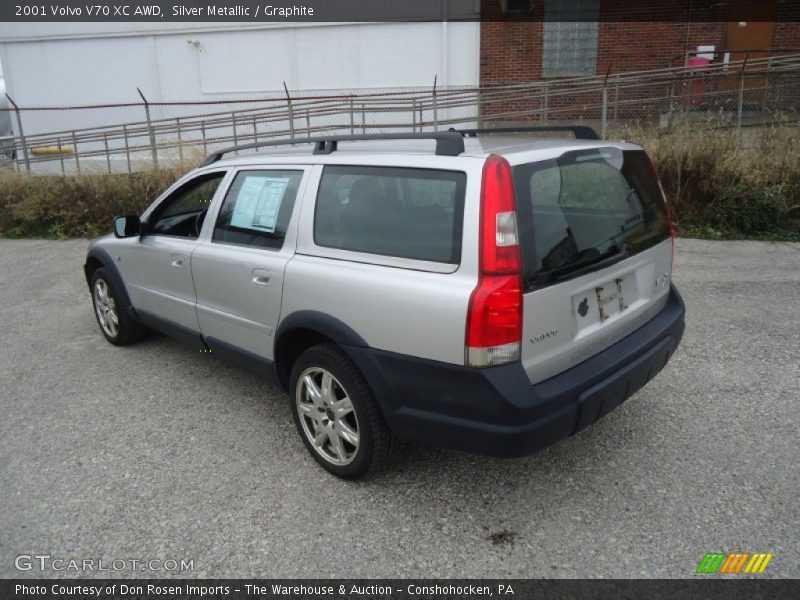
x: 607, y: 301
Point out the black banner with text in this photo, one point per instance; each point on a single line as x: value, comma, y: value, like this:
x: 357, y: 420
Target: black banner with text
x: 372, y: 10
x: 370, y: 589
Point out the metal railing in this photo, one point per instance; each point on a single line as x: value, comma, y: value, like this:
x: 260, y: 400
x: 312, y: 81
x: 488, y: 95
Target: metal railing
x: 751, y: 91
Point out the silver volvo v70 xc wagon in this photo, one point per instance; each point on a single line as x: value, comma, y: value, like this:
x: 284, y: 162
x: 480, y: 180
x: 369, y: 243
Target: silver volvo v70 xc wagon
x: 483, y: 290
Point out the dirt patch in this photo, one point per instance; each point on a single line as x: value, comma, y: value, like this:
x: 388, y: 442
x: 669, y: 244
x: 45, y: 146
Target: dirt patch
x: 503, y: 537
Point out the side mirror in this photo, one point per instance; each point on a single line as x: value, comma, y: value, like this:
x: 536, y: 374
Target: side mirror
x: 127, y: 226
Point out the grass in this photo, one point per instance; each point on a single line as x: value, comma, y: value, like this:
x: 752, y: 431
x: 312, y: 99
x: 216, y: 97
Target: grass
x: 80, y: 205
x: 719, y: 186
x: 724, y: 187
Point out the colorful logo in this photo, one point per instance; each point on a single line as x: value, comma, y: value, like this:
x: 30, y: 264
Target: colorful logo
x: 720, y: 563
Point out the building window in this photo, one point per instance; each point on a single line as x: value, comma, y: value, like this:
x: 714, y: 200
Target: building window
x: 570, y: 37
x: 515, y: 6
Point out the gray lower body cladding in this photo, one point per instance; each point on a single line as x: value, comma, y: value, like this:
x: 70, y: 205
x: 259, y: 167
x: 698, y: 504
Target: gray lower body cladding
x: 496, y: 411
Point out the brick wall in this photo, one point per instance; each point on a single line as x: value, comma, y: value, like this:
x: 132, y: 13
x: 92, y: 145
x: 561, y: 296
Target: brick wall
x: 632, y: 36
x: 629, y: 37
x: 510, y: 49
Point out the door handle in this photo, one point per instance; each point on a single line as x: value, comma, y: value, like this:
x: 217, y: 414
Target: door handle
x: 178, y: 261
x: 261, y: 276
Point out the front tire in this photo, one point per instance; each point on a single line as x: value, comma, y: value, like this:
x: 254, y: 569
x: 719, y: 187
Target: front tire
x: 115, y: 323
x: 337, y: 416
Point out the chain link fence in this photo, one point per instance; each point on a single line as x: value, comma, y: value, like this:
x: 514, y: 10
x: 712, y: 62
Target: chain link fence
x: 128, y: 137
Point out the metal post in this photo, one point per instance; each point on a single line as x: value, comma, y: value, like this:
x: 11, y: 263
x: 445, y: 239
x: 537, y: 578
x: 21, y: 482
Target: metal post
x: 414, y: 115
x: 75, y: 150
x: 203, y: 133
x: 291, y: 112
x: 233, y: 123
x: 308, y: 122
x: 108, y: 154
x: 363, y: 119
x: 21, y: 135
x: 616, y: 99
x: 435, y: 107
x: 150, y: 131
x: 672, y: 97
x: 352, y: 118
x: 61, y: 156
x: 180, y: 139
x: 741, y: 98
x: 604, y: 116
x: 541, y: 103
x: 255, y: 129
x: 685, y: 102
x: 546, y: 102
x: 127, y: 147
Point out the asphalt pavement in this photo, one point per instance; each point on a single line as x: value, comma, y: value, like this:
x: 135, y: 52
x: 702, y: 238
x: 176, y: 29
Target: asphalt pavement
x: 158, y: 452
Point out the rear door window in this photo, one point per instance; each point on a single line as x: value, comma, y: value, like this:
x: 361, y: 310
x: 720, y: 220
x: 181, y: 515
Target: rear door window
x: 400, y: 212
x: 257, y: 208
x: 585, y: 209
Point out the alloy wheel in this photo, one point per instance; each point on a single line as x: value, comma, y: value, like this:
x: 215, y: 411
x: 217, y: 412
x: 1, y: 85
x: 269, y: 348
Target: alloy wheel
x: 106, y: 308
x: 327, y: 416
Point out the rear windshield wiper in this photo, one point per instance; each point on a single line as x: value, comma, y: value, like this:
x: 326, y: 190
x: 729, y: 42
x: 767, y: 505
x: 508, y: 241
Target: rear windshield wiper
x: 614, y: 255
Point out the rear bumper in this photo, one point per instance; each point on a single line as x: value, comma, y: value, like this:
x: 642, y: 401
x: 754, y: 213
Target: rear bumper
x: 497, y: 411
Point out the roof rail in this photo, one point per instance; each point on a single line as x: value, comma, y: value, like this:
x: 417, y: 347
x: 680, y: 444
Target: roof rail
x: 448, y: 143
x: 581, y: 132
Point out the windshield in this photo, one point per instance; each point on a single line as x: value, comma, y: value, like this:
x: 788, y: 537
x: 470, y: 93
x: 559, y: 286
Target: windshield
x: 585, y: 210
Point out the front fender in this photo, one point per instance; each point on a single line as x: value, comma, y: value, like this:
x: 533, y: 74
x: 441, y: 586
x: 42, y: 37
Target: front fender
x: 104, y: 258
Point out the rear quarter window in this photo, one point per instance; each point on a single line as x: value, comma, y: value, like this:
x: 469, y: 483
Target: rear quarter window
x: 399, y: 212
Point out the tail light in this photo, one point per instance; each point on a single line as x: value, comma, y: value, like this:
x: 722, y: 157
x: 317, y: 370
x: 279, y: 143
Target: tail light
x: 494, y: 320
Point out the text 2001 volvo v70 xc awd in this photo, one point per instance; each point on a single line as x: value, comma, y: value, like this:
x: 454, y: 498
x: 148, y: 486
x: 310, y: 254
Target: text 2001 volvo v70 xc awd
x: 494, y: 295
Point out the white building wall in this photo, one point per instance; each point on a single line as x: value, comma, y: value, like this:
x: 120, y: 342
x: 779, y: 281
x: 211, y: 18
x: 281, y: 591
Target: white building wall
x: 91, y: 63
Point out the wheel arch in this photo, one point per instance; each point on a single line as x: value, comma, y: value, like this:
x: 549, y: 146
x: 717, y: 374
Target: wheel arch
x: 90, y: 266
x: 98, y: 258
x: 302, y: 330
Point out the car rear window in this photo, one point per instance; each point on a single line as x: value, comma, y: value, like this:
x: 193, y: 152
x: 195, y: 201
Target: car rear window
x: 584, y: 209
x: 406, y: 213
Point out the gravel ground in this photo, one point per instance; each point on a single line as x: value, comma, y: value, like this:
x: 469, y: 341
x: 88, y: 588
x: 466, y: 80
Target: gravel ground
x: 156, y: 451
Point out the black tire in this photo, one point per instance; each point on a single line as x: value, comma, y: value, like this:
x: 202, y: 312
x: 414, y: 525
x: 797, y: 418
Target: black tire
x: 128, y: 330
x: 375, y: 440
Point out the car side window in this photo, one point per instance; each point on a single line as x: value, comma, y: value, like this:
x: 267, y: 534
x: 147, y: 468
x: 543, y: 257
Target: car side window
x: 398, y: 212
x: 183, y: 212
x: 257, y: 208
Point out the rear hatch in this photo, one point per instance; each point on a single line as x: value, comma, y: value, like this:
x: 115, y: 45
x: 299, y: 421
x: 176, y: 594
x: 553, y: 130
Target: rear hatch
x: 596, y: 253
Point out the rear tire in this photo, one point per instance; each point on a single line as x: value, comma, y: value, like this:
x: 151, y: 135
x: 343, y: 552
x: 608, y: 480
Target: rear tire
x: 337, y: 416
x: 118, y: 327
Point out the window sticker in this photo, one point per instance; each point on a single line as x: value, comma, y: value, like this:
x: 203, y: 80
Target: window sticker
x: 258, y: 203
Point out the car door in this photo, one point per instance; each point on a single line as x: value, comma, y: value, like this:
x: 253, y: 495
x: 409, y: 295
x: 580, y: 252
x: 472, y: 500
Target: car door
x: 238, y: 273
x: 158, y: 270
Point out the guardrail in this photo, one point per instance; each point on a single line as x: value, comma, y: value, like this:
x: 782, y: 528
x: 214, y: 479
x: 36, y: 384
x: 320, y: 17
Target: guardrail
x: 736, y: 94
